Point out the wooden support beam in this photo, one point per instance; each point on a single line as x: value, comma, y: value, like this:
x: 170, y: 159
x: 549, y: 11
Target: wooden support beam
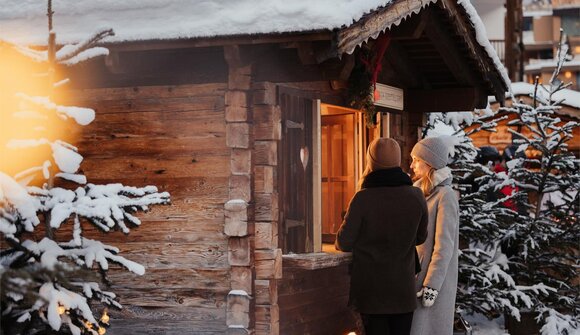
x: 448, y: 49
x: 412, y: 28
x: 445, y: 100
x: 487, y: 68
x: 399, y: 60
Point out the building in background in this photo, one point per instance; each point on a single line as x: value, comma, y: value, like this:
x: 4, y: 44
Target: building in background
x: 542, y: 23
x: 526, y: 33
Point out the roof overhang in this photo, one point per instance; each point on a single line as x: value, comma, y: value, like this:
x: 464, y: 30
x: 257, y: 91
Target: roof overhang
x: 456, y: 21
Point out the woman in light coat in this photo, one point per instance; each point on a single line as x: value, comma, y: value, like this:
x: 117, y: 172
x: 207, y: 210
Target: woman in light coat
x: 437, y: 281
x: 385, y: 220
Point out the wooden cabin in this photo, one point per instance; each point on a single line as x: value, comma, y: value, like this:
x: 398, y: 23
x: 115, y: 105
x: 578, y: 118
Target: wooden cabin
x: 254, y: 136
x: 569, y: 111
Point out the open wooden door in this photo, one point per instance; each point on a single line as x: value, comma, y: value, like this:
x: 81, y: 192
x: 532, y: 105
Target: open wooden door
x: 295, y: 157
x: 338, y: 170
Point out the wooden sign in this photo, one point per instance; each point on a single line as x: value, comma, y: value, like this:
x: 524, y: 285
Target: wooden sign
x: 502, y: 136
x: 389, y: 96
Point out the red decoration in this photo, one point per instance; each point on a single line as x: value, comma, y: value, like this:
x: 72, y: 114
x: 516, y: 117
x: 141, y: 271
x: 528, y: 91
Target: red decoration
x: 374, y: 65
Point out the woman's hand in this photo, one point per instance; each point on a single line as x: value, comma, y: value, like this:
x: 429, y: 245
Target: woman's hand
x: 429, y: 295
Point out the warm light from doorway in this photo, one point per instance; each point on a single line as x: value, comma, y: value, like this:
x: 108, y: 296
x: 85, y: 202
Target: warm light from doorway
x: 568, y: 74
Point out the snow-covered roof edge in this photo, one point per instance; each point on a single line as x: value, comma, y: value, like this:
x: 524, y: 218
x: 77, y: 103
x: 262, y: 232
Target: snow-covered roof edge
x: 481, y: 36
x: 25, y: 22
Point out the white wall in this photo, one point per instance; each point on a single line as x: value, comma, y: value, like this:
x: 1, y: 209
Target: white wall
x: 492, y: 13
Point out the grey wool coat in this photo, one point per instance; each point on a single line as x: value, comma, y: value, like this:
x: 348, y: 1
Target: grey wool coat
x: 382, y: 227
x: 438, y: 257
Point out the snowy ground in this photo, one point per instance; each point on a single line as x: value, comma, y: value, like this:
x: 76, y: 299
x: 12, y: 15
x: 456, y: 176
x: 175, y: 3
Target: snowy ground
x: 483, y: 326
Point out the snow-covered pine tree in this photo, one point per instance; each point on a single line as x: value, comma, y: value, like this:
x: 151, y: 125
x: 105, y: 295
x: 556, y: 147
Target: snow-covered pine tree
x: 49, y: 271
x: 544, y: 240
x: 484, y: 285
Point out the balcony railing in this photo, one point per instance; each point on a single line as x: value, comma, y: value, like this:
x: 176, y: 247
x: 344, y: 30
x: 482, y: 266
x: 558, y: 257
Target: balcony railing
x: 499, y: 46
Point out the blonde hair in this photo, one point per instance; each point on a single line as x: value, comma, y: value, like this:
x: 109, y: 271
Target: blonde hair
x: 362, y: 178
x: 427, y: 182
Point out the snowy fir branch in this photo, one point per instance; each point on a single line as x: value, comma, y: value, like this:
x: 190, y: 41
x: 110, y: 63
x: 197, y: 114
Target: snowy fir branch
x: 519, y: 248
x: 51, y: 282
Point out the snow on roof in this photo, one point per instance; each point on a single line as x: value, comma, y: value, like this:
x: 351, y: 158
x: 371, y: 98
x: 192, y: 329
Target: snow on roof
x: 481, y: 36
x: 551, y: 63
x: 571, y: 98
x: 25, y: 21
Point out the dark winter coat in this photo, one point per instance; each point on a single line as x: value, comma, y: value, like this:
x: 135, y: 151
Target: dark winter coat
x: 384, y: 222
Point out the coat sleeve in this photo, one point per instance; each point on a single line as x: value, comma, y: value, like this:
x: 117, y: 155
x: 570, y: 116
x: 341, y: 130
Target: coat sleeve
x: 349, y: 229
x: 446, y: 225
x: 422, y: 229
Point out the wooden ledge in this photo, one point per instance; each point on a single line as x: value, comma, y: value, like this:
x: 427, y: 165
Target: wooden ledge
x: 316, y: 260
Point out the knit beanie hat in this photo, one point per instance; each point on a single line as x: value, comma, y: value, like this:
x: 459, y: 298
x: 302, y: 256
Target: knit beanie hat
x: 383, y: 153
x: 433, y: 151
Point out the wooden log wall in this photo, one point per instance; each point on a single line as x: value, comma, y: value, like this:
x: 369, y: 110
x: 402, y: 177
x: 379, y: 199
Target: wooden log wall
x: 267, y: 254
x: 315, y: 301
x: 173, y: 137
x: 239, y: 225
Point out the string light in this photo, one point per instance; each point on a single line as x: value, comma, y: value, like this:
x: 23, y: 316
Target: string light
x: 102, y: 330
x: 61, y: 309
x: 105, y: 317
x: 88, y: 325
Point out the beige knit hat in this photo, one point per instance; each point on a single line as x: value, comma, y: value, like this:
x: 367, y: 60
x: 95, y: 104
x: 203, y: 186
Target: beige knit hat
x: 433, y: 151
x: 383, y: 153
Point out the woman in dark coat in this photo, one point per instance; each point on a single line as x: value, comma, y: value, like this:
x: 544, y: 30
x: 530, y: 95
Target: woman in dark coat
x: 386, y: 218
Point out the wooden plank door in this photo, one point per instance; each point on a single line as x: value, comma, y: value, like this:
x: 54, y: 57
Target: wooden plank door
x: 338, y: 170
x: 295, y: 173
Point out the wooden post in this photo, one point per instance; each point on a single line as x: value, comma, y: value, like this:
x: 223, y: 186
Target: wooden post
x: 239, y: 214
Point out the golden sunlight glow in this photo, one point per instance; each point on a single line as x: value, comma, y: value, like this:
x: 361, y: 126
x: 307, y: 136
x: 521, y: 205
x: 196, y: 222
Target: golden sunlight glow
x: 568, y: 74
x: 105, y: 317
x: 22, y: 120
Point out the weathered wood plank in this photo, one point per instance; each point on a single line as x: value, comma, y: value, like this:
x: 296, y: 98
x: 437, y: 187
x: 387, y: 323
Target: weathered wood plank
x: 266, y: 152
x: 186, y: 278
x: 173, y: 167
x: 264, y: 179
x: 169, y: 313
x: 201, y: 231
x: 156, y: 104
x: 239, y: 252
x: 242, y: 278
x: 169, y: 297
x: 166, y: 327
x: 151, y: 146
x: 266, y: 236
x: 185, y: 123
x: 171, y: 255
x: 268, y: 264
x: 266, y: 207
x: 139, y: 92
x: 266, y: 292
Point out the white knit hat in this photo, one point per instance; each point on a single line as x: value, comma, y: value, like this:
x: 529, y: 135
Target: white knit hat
x: 433, y: 151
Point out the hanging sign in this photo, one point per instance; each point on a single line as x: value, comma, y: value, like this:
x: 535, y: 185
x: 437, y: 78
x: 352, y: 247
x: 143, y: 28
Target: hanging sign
x: 389, y: 96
